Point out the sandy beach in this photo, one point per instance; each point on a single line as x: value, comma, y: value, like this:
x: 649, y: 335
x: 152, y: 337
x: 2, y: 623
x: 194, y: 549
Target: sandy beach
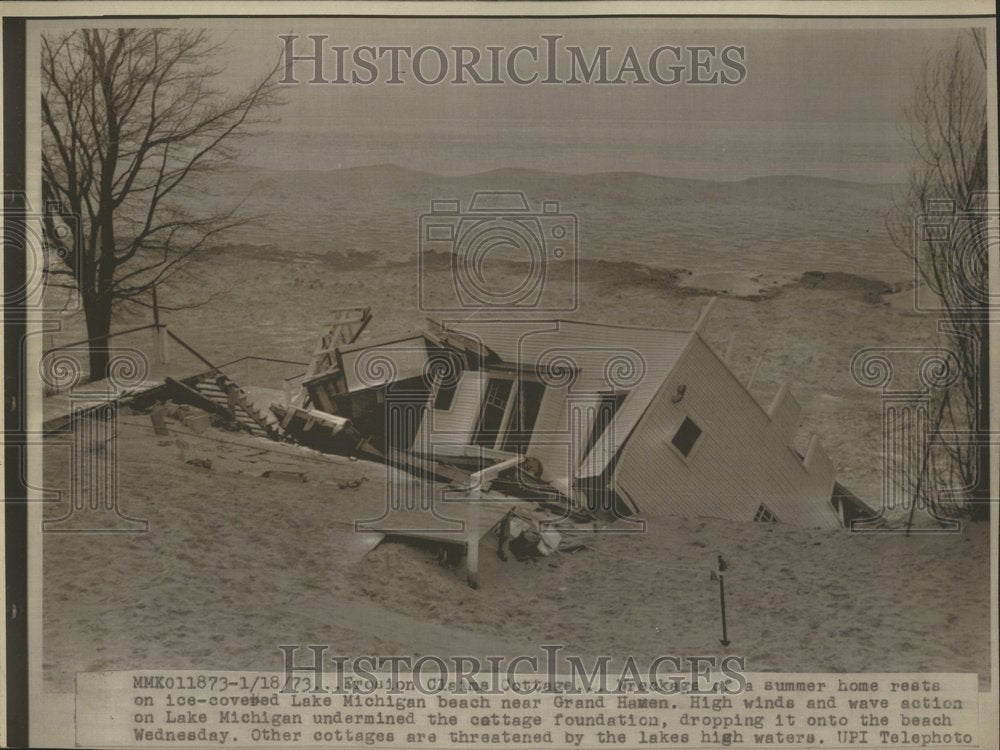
x: 235, y: 564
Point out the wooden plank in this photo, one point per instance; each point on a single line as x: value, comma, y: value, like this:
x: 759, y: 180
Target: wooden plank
x: 425, y: 467
x: 323, y: 432
x: 479, y: 521
x: 246, y: 413
x: 472, y: 544
x: 184, y: 394
x: 344, y: 329
x: 482, y: 478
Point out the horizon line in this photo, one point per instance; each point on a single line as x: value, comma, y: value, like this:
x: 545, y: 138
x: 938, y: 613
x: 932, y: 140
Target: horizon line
x: 559, y: 173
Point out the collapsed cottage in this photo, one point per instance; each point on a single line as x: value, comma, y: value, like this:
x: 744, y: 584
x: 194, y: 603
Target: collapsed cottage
x: 536, y: 430
x: 619, y: 420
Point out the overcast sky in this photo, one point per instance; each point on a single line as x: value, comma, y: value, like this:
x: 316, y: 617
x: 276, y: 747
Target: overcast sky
x: 820, y: 102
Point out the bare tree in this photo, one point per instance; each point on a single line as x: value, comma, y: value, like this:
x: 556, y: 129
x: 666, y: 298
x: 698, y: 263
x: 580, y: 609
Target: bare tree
x: 131, y: 119
x: 942, y: 226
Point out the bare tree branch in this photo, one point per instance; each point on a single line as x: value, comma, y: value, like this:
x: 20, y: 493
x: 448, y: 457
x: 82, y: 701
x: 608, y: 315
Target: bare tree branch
x: 131, y: 120
x: 948, y: 132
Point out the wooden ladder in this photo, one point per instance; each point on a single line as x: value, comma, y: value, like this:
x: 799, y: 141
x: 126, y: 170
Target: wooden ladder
x: 253, y: 420
x: 344, y: 328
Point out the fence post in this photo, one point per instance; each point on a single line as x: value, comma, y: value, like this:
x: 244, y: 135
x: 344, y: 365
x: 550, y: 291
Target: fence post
x: 164, y: 344
x: 722, y: 604
x: 472, y: 539
x: 159, y: 351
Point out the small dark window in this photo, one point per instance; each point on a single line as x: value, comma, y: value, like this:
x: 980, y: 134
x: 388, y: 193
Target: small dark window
x: 445, y: 395
x: 447, y: 384
x: 763, y: 515
x: 687, y: 435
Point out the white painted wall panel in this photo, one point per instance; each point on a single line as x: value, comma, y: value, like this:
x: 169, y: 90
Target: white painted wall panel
x: 741, y: 460
x: 371, y: 366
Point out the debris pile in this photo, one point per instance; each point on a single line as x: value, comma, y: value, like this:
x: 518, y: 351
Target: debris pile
x: 537, y: 429
x: 529, y: 535
x: 333, y: 413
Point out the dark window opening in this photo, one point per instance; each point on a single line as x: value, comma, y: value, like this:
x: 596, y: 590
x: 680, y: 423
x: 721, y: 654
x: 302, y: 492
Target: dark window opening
x: 445, y: 396
x: 447, y: 385
x: 607, y: 407
x: 494, y: 407
x: 849, y: 506
x: 384, y: 420
x: 526, y: 406
x: 686, y: 436
x: 763, y: 515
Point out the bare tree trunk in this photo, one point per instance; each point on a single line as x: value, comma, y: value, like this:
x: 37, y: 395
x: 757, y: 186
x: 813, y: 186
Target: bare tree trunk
x: 98, y: 312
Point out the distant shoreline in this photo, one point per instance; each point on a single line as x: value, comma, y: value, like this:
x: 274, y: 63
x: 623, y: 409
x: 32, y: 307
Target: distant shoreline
x: 789, y: 224
x: 625, y: 273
